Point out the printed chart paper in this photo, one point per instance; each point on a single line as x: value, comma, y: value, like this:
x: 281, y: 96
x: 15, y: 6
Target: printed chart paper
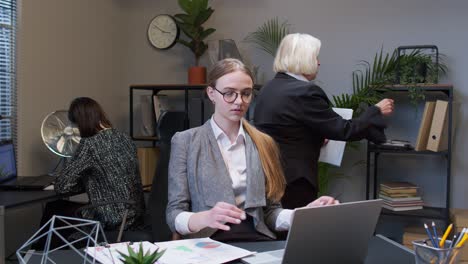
x: 200, y: 250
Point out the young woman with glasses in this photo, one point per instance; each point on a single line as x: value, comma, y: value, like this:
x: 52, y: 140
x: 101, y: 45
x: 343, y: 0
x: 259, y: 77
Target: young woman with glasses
x: 225, y: 178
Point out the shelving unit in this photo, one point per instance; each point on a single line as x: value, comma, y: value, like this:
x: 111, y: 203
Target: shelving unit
x: 374, y: 152
x: 155, y: 89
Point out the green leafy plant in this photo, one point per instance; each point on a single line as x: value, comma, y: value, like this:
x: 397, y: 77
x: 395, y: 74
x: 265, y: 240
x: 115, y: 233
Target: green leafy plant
x: 370, y: 79
x: 141, y: 257
x: 197, y: 12
x: 268, y: 36
x: 418, y: 68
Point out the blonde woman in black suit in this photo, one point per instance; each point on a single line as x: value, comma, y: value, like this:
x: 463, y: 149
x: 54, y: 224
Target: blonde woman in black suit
x: 297, y: 114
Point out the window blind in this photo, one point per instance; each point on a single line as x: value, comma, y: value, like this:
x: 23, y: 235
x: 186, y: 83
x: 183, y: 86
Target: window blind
x: 8, y: 69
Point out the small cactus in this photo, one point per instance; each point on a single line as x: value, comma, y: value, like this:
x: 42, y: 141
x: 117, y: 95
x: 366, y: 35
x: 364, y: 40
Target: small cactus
x: 140, y: 257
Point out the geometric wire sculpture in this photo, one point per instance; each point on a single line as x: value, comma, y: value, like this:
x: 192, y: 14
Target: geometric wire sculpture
x: 89, y: 230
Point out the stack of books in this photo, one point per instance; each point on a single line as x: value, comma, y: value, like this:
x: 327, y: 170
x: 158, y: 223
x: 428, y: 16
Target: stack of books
x: 400, y: 196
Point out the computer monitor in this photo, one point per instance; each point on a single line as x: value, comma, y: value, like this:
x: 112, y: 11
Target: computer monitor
x: 7, y: 162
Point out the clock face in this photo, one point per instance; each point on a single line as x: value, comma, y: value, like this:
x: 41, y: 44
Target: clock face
x: 163, y: 32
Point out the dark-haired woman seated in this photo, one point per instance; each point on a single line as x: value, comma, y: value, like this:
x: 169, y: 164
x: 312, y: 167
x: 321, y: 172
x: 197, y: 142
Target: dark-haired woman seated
x: 104, y: 165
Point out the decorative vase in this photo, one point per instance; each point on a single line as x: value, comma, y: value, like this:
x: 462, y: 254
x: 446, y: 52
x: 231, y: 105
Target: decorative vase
x: 197, y: 75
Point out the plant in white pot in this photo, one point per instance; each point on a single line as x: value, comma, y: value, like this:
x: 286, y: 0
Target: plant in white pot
x: 197, y: 12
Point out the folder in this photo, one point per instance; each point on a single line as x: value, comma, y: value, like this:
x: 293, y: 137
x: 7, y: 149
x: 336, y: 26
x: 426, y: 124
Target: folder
x: 437, y: 140
x: 424, y: 128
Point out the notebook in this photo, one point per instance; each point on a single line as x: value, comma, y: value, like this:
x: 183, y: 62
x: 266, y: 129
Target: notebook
x: 328, y: 234
x: 9, y: 180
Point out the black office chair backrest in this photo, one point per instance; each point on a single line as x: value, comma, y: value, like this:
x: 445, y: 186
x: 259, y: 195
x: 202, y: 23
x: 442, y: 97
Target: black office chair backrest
x: 168, y: 125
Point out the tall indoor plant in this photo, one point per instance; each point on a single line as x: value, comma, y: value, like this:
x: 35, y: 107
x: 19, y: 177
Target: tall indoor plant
x: 267, y: 38
x: 197, y: 12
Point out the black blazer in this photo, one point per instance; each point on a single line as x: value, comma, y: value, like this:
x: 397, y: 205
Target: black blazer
x: 298, y: 115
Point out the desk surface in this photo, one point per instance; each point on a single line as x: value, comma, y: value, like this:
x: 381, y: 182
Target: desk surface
x: 9, y: 199
x: 381, y: 250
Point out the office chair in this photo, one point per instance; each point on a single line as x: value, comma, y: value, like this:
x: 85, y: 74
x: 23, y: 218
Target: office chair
x: 169, y: 123
x: 115, y: 236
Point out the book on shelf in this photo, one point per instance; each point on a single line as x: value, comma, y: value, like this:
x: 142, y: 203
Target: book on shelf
x: 391, y: 188
x: 404, y: 198
x: 399, y: 195
x: 399, y: 209
x: 398, y: 185
x: 404, y: 204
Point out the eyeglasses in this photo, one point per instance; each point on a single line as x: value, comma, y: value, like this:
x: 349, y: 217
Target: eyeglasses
x: 231, y: 96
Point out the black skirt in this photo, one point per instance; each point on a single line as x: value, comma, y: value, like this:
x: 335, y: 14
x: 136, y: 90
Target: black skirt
x: 243, y: 232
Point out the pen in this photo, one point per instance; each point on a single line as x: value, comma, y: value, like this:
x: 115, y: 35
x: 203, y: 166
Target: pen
x: 460, y: 236
x: 465, y: 237
x: 436, y: 237
x: 430, y: 236
x: 453, y: 240
x: 444, y: 237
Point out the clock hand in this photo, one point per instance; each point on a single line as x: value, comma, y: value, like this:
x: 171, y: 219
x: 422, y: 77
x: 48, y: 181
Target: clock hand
x: 161, y: 29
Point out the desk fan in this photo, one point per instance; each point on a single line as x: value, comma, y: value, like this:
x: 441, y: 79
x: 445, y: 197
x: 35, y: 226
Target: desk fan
x: 59, y: 135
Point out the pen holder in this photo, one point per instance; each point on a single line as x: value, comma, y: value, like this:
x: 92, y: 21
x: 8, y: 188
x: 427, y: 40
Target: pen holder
x: 426, y: 254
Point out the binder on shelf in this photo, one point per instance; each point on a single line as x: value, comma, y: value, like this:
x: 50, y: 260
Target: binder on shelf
x: 424, y: 128
x: 437, y: 140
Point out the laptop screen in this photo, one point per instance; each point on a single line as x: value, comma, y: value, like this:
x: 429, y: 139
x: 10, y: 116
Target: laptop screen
x: 7, y: 161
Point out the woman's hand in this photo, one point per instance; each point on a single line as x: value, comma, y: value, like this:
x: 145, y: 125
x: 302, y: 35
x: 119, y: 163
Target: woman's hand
x: 323, y: 200
x: 325, y: 142
x: 217, y: 217
x: 385, y: 106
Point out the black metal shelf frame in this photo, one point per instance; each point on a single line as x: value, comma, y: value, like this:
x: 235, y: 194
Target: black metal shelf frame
x: 156, y: 88
x: 374, y: 152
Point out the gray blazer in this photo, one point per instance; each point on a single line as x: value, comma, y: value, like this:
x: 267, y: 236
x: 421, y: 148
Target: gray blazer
x: 198, y: 179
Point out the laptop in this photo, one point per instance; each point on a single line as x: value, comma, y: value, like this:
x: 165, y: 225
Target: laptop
x: 9, y: 180
x: 329, y: 234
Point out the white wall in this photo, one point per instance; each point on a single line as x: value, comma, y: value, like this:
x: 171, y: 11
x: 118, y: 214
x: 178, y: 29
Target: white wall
x: 107, y: 49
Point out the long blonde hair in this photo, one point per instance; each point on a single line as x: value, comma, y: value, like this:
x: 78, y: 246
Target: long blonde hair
x: 270, y: 158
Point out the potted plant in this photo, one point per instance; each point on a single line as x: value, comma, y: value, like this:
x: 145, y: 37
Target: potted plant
x: 140, y: 257
x: 372, y: 77
x: 197, y: 12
